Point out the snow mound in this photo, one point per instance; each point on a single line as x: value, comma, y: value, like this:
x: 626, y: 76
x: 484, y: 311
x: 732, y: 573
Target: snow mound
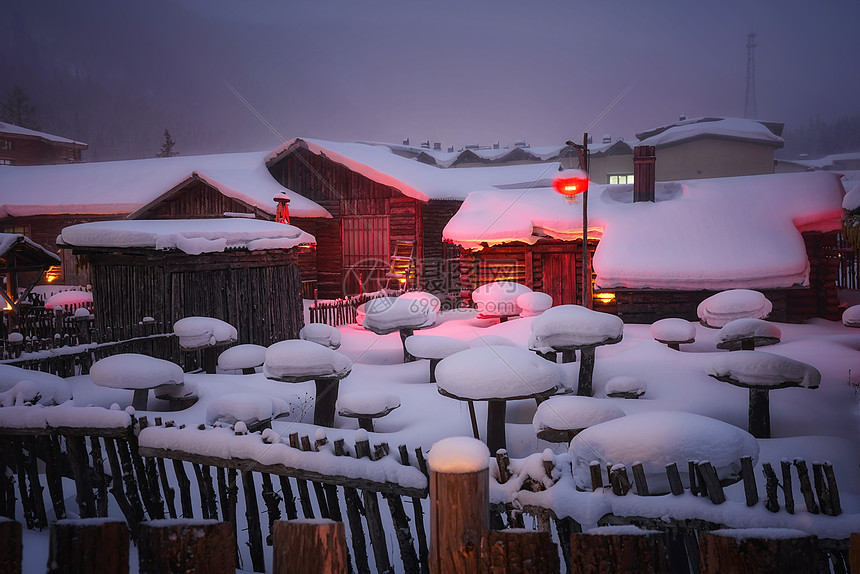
x: 625, y: 386
x: 246, y: 407
x: 434, y: 346
x: 660, y: 438
x: 196, y: 332
x: 64, y: 298
x: 534, y: 303
x: 570, y: 413
x: 22, y: 386
x: 851, y: 316
x: 763, y: 370
x: 423, y: 299
x: 321, y: 334
x: 389, y: 314
x: 494, y: 340
x: 366, y: 403
x: 499, y: 298
x: 719, y: 309
x: 573, y: 326
x: 851, y: 201
x: 242, y: 357
x: 673, y: 330
x: 458, y: 455
x: 732, y: 333
x: 133, y: 371
x: 303, y: 359
x: 497, y: 372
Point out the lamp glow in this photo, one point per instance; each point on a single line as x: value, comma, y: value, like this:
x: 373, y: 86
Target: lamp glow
x: 571, y: 182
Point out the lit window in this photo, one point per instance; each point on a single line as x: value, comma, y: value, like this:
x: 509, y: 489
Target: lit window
x: 7, y: 145
x: 620, y: 178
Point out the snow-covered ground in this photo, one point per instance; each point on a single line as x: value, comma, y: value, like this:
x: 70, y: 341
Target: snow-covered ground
x: 820, y: 424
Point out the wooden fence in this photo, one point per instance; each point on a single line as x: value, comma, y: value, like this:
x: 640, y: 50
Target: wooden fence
x: 849, y: 264
x: 337, y: 312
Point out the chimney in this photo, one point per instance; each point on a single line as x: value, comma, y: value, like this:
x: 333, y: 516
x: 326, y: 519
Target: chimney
x: 607, y: 138
x: 682, y: 117
x: 643, y: 173
x: 495, y: 145
x: 450, y: 149
x: 437, y: 146
x: 406, y: 141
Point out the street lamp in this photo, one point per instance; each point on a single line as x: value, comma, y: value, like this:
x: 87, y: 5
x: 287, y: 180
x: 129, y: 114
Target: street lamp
x: 570, y: 183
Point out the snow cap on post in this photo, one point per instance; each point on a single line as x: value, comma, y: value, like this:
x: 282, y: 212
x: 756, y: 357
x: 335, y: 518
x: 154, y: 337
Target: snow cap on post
x: 458, y: 455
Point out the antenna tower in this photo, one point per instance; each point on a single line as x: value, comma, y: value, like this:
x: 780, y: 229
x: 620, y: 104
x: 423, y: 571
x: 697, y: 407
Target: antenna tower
x: 749, y: 106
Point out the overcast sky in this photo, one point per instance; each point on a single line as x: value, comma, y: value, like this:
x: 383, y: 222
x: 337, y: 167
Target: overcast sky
x: 465, y: 71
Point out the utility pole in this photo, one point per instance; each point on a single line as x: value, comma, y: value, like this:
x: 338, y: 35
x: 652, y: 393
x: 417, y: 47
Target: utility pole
x: 749, y: 106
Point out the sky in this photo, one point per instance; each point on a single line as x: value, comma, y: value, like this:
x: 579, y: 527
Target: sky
x: 251, y: 74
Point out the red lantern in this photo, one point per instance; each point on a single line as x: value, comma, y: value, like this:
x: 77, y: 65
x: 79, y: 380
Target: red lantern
x: 571, y: 182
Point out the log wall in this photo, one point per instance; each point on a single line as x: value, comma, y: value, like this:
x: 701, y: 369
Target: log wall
x: 197, y: 199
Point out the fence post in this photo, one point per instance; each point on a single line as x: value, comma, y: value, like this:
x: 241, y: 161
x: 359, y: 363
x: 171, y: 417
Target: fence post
x: 509, y: 551
x: 10, y: 558
x: 787, y: 552
x: 459, y: 504
x: 309, y: 547
x: 180, y: 545
x: 88, y: 545
x: 853, y: 553
x: 618, y: 549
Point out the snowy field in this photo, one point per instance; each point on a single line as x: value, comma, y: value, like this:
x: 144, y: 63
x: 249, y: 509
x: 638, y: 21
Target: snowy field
x: 820, y: 424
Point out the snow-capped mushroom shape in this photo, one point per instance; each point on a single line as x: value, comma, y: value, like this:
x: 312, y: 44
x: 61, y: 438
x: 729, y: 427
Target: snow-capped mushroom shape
x: 760, y: 373
x: 72, y: 298
x: 366, y: 406
x: 180, y: 397
x: 496, y: 374
x: 435, y: 348
x: 199, y: 332
x: 851, y: 316
x: 499, y: 299
x: 423, y: 299
x: 255, y: 410
x: 494, y: 340
x: 673, y: 332
x: 242, y: 357
x: 388, y: 314
x: 561, y: 418
x: 659, y: 438
x: 135, y: 372
x: 321, y: 334
x: 28, y: 387
x: 296, y: 361
x: 534, y: 303
x: 747, y: 334
x: 719, y: 309
x: 625, y: 387
x: 573, y: 327
x: 360, y: 313
x: 205, y: 333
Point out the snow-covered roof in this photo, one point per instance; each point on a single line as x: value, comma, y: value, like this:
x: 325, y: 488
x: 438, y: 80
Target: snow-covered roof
x: 700, y: 234
x: 827, y: 162
x: 727, y: 128
x: 411, y: 177
x: 127, y: 186
x: 26, y: 247
x: 7, y: 128
x: 193, y: 236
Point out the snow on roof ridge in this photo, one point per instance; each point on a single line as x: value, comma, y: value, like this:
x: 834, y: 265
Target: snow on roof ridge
x: 6, y: 127
x: 733, y: 128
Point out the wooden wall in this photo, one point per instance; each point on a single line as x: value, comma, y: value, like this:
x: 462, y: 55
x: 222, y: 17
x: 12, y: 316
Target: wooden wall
x: 344, y: 192
x: 258, y: 292
x: 197, y: 199
x: 28, y: 150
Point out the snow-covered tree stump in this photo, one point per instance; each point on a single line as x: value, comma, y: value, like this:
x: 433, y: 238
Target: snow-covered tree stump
x: 88, y: 545
x: 186, y: 546
x: 774, y: 551
x: 618, y: 549
x: 309, y: 547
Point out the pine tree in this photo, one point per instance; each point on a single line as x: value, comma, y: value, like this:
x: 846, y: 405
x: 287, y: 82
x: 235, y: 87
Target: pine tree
x: 18, y: 110
x: 167, y: 147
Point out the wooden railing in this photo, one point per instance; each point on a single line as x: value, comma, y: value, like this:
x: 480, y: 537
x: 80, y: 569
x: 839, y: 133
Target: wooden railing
x: 337, y: 312
x: 849, y: 264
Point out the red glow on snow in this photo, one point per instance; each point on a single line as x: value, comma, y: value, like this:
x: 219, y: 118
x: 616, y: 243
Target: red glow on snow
x: 571, y: 182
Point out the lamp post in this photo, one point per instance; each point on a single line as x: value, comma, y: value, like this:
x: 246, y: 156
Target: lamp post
x: 570, y: 183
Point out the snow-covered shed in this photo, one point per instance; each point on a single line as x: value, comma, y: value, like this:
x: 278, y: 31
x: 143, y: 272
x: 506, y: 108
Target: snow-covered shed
x: 242, y: 271
x: 39, y: 201
x: 24, y: 146
x: 774, y: 233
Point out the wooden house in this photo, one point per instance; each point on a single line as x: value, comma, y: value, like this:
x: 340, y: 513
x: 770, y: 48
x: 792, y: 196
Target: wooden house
x: 243, y: 271
x: 381, y: 202
x: 23, y: 146
x: 651, y: 260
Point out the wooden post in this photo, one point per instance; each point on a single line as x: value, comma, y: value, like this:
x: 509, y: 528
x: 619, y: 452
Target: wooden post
x: 309, y: 547
x: 835, y: 502
x: 80, y: 468
x: 787, y: 491
x: 597, y: 553
x: 507, y: 552
x: 771, y: 485
x: 88, y: 545
x: 674, y: 477
x: 854, y: 553
x: 186, y: 546
x: 586, y: 369
x: 459, y: 506
x: 821, y: 488
x: 640, y: 480
x: 805, y: 486
x: 52, y: 476
x: 252, y: 515
x: 376, y: 531
x: 727, y: 551
x: 748, y: 476
x: 496, y: 424
x: 712, y: 481
x: 326, y: 399
x: 759, y: 413
x: 13, y: 550
x: 596, y: 472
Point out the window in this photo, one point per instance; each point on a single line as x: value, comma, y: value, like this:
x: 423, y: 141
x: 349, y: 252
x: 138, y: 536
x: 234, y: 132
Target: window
x: 365, y: 241
x: 20, y: 229
x: 617, y: 178
x: 7, y: 145
x: 6, y: 161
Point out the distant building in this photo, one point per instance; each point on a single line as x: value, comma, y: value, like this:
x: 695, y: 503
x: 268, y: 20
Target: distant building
x: 22, y: 146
